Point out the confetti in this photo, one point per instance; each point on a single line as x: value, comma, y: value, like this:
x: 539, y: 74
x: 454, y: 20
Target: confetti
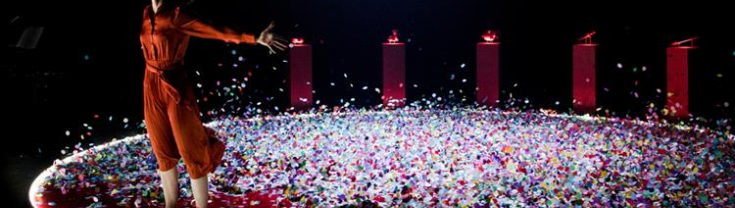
x: 421, y: 157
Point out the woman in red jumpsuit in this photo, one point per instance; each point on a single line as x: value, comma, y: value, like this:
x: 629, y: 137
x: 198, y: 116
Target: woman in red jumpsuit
x: 171, y: 111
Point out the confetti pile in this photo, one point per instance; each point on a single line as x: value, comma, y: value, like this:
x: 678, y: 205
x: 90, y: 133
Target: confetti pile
x: 421, y: 158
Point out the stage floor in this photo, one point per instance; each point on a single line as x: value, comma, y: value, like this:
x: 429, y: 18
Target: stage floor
x: 420, y: 158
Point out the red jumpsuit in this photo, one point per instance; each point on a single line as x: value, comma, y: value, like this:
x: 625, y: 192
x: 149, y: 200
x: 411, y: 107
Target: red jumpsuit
x: 171, y: 111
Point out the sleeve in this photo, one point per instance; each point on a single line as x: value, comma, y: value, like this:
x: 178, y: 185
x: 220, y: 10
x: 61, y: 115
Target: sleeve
x: 145, y: 12
x: 189, y: 25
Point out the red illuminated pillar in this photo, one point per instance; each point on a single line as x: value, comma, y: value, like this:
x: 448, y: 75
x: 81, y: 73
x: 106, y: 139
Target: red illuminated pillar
x: 583, y: 77
x: 394, y: 73
x: 300, y: 75
x: 677, y: 80
x: 488, y: 73
x: 488, y: 70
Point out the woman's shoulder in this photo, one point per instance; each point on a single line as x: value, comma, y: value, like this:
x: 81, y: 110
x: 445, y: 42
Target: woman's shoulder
x: 146, y: 11
x: 167, y: 8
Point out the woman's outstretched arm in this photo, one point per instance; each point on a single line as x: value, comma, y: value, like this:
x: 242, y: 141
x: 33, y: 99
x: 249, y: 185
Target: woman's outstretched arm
x: 184, y: 21
x: 197, y: 28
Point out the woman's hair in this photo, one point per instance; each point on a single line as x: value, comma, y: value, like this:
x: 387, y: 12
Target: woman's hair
x: 178, y: 2
x: 172, y: 2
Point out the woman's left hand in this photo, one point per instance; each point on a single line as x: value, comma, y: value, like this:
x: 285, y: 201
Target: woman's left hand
x: 274, y: 42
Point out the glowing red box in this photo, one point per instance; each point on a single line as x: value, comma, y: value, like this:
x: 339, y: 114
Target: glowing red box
x: 488, y: 73
x: 677, y: 80
x: 584, y: 86
x: 300, y: 77
x: 394, y: 75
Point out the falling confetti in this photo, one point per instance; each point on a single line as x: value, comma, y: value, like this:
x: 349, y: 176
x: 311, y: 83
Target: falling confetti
x: 416, y: 157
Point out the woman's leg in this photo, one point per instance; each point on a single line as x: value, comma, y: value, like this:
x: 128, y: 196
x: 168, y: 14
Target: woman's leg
x: 201, y: 153
x: 170, y: 180
x: 161, y: 137
x: 200, y: 188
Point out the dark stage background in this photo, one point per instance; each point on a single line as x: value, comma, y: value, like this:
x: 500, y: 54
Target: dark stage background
x: 88, y: 60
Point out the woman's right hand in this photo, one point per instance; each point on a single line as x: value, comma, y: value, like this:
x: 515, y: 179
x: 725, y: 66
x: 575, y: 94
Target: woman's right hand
x: 273, y: 42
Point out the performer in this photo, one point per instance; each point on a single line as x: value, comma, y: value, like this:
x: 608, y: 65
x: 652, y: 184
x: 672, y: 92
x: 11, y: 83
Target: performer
x: 171, y: 111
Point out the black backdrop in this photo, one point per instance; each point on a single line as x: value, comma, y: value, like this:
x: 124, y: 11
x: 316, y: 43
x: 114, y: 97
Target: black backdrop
x: 88, y: 60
